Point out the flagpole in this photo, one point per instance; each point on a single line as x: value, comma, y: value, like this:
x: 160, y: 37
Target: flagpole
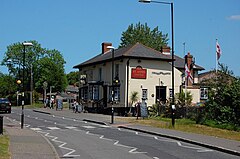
x: 186, y: 77
x: 216, y: 54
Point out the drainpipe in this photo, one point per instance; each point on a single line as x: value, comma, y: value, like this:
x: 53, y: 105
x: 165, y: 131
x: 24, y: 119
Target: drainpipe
x: 127, y: 82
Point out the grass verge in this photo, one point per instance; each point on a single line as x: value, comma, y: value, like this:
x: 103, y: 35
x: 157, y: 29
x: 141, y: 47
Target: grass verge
x: 4, y: 147
x: 186, y: 125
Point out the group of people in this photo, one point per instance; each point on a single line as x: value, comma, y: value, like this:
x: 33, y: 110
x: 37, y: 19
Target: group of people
x: 49, y: 102
x: 77, y: 108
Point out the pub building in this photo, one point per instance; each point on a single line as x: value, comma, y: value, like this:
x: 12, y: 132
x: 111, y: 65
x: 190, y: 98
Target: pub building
x: 136, y: 68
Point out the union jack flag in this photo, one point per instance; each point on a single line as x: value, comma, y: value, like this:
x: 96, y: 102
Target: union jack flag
x: 218, y: 51
x: 188, y: 73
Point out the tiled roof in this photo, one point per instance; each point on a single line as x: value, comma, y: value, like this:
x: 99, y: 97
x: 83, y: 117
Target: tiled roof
x: 180, y: 62
x: 132, y: 51
x: 136, y: 51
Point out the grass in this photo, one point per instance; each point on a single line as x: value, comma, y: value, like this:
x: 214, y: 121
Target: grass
x: 4, y: 147
x: 186, y: 125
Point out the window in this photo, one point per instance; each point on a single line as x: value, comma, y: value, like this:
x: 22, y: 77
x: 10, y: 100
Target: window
x: 170, y: 93
x: 94, y: 93
x: 84, y: 93
x: 144, y: 94
x: 116, y: 94
x: 204, y: 93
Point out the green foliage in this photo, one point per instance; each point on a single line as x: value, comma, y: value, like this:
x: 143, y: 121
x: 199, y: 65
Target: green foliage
x: 8, y: 85
x: 73, y: 78
x: 4, y: 148
x: 183, y: 99
x: 143, y: 34
x: 153, y: 110
x: 46, y: 65
x: 134, y: 97
x: 223, y: 106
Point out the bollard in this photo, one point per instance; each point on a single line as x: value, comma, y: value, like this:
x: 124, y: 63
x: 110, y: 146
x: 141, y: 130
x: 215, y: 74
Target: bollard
x: 1, y: 125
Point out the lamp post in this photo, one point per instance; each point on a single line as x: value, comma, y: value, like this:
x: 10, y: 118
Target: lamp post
x: 45, y: 84
x: 112, y: 49
x: 23, y: 78
x: 18, y: 82
x: 173, y: 100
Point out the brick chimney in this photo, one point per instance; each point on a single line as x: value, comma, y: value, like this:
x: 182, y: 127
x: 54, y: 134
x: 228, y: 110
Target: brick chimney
x: 104, y: 47
x: 165, y: 50
x: 188, y: 59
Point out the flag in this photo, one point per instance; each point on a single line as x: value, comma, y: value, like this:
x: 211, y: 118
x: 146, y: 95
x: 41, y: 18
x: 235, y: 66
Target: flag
x: 218, y: 50
x: 188, y: 73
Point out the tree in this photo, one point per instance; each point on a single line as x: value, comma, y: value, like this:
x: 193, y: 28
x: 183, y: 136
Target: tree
x: 143, y: 34
x: 73, y: 78
x: 133, y: 98
x: 45, y: 65
x: 8, y: 85
x: 183, y: 99
x: 223, y: 106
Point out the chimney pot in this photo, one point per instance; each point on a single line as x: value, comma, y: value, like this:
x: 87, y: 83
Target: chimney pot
x: 104, y: 47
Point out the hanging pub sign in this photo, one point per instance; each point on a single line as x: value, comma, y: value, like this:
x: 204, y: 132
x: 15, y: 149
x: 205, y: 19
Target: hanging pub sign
x: 139, y: 73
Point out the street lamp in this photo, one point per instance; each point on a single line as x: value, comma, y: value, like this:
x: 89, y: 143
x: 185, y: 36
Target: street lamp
x: 23, y: 97
x: 112, y: 49
x: 45, y: 84
x: 18, y: 82
x: 171, y: 4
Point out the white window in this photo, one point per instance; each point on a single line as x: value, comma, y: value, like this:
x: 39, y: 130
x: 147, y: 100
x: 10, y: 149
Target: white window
x: 116, y: 94
x: 94, y: 93
x: 144, y: 94
x: 84, y: 93
x: 204, y: 93
x: 170, y: 93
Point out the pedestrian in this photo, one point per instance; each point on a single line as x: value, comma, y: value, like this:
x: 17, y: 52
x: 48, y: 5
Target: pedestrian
x: 51, y: 102
x: 76, y: 107
x: 47, y: 102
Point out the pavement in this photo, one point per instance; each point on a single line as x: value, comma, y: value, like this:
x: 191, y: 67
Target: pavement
x: 25, y: 143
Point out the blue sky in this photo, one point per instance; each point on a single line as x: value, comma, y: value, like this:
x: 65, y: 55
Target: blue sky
x: 78, y: 27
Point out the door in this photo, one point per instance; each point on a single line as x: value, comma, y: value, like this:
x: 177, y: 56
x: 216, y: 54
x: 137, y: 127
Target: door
x: 161, y: 93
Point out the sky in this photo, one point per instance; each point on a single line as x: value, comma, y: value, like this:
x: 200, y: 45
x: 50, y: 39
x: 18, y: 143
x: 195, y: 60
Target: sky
x: 78, y: 27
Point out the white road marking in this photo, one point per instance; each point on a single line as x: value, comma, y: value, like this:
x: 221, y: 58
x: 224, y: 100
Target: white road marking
x: 205, y: 150
x: 89, y: 127
x: 104, y: 126
x: 26, y: 125
x: 53, y: 128
x: 54, y: 139
x: 199, y: 149
x: 36, y: 129
x: 116, y: 143
x: 71, y: 127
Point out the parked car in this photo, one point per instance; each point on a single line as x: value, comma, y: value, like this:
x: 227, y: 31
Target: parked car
x: 5, y: 105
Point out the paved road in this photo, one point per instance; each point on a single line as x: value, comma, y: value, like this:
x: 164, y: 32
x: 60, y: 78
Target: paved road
x: 74, y: 138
